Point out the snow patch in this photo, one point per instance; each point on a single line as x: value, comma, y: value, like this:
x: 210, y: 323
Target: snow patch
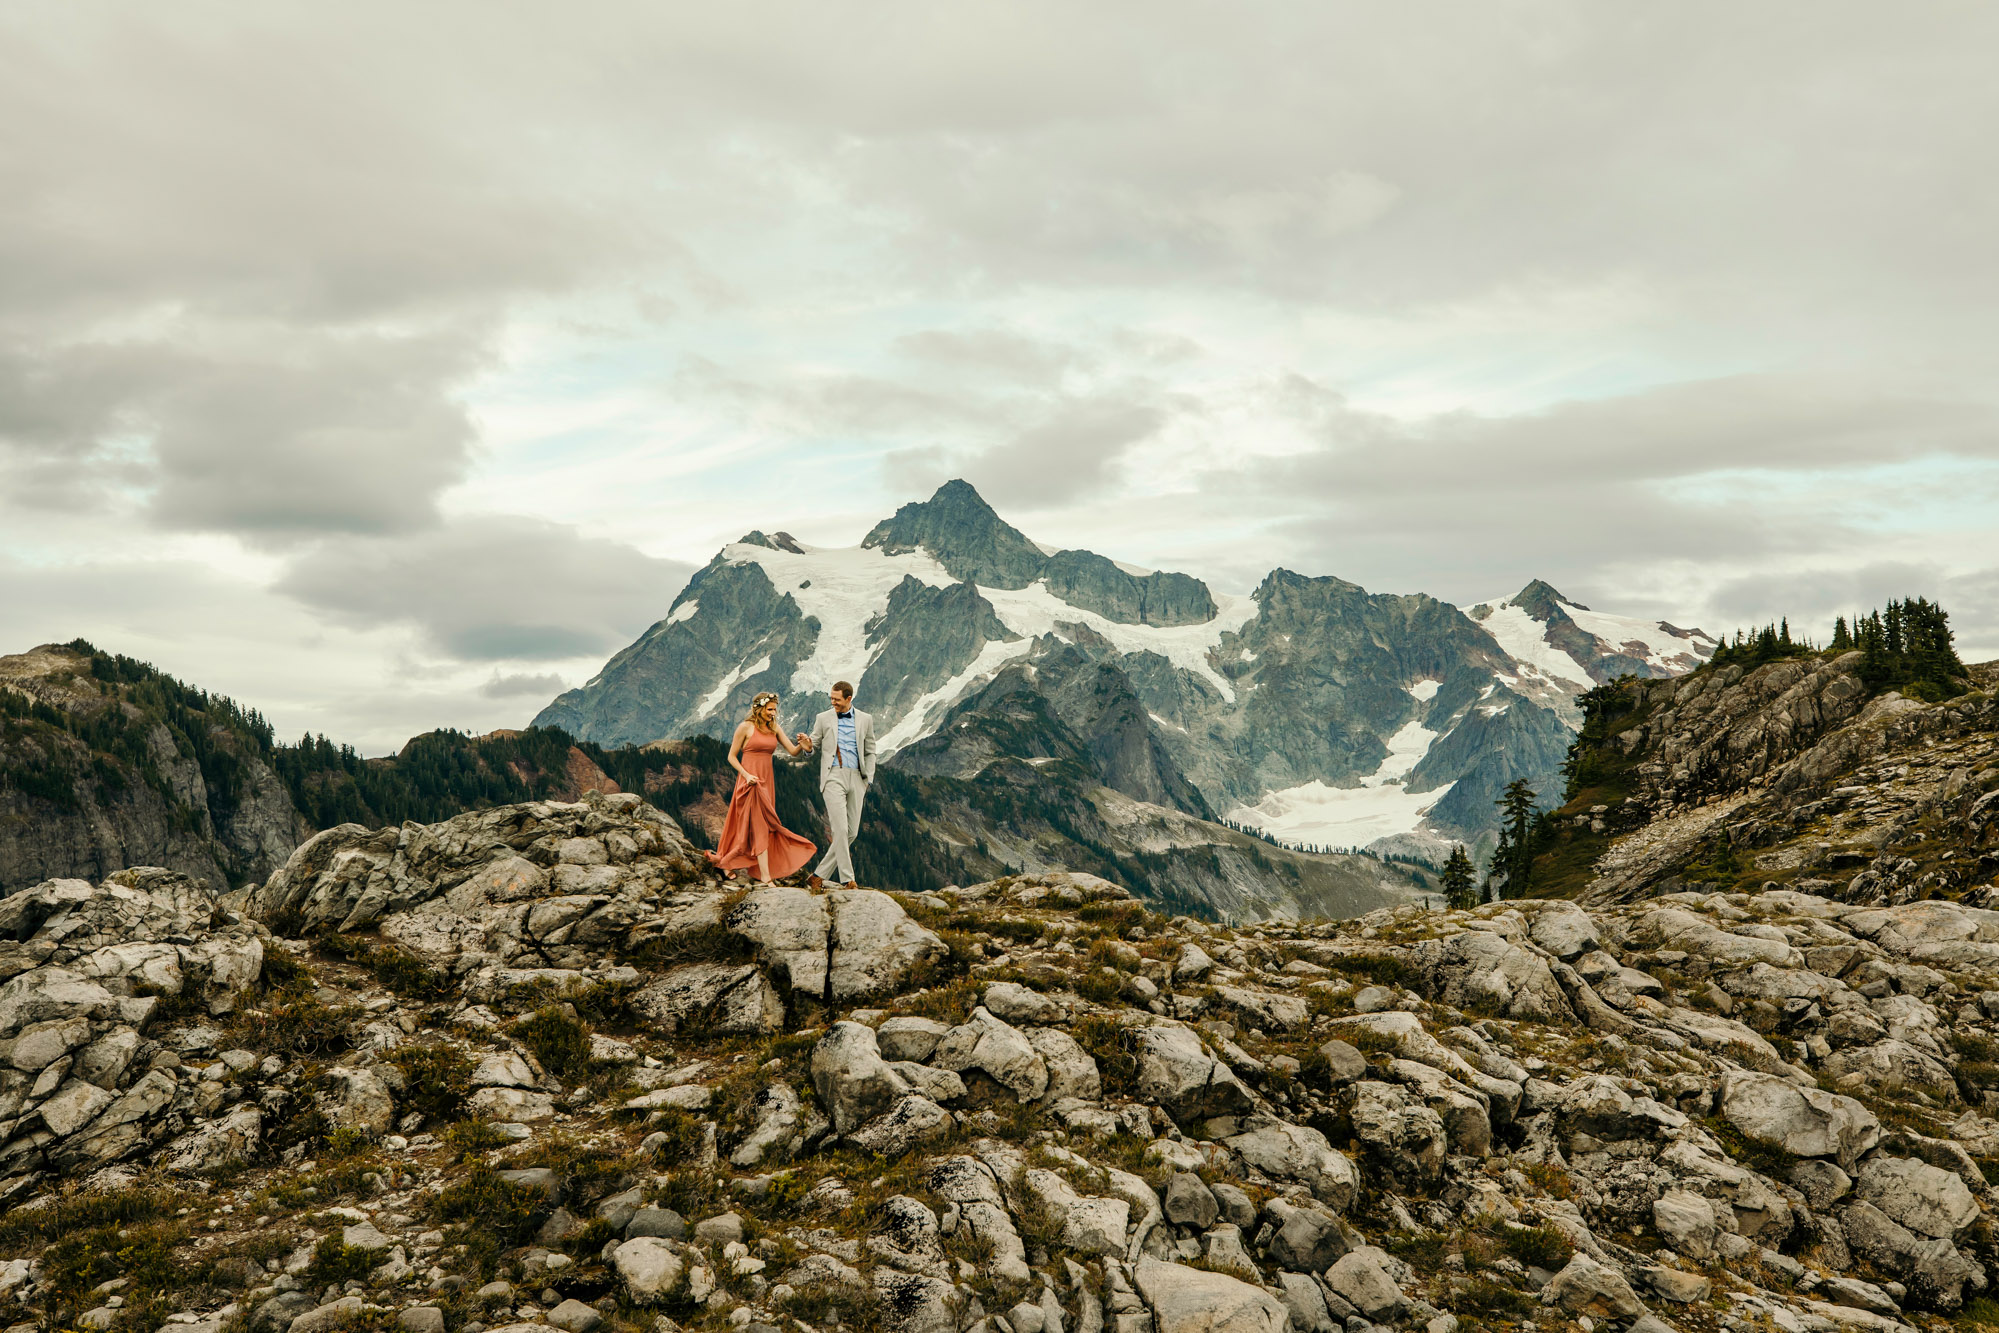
x: 713, y: 699
x: 1034, y: 611
x: 1351, y: 816
x: 1425, y: 690
x: 1651, y: 641
x: 915, y: 724
x: 1525, y: 641
x: 685, y: 611
x: 850, y: 587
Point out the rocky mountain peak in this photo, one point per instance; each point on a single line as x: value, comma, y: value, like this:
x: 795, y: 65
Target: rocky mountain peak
x: 965, y: 535
x: 1541, y: 601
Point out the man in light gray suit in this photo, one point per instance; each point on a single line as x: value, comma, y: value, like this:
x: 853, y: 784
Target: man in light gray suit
x: 844, y: 736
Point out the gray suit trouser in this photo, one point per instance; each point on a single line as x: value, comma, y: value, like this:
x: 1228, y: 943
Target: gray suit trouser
x: 844, y: 789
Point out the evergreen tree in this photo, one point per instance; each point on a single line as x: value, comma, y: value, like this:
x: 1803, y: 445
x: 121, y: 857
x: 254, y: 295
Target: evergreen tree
x: 1514, y: 857
x: 1842, y: 638
x: 1460, y: 880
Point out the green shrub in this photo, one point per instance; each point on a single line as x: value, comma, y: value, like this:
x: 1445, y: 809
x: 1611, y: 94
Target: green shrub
x: 559, y: 1041
x: 346, y: 1142
x: 409, y: 976
x: 1383, y: 969
x: 508, y: 1213
x: 284, y: 973
x: 1980, y: 1312
x: 1536, y: 1247
x: 295, y: 1025
x: 1101, y: 986
x: 333, y: 1260
x: 859, y: 1310
x: 437, y: 1080
x: 78, y: 1211
x: 145, y: 1256
x: 1115, y: 1049
x: 685, y: 1132
x: 468, y: 1138
x: 1486, y: 1299
x: 303, y: 1123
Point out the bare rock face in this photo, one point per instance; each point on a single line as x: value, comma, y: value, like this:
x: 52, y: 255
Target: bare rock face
x: 1804, y: 1122
x: 87, y: 967
x: 552, y: 882
x: 845, y: 944
x: 1191, y: 1300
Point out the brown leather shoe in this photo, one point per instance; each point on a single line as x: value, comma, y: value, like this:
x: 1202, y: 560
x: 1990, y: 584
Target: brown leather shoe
x: 814, y: 882
x: 849, y: 885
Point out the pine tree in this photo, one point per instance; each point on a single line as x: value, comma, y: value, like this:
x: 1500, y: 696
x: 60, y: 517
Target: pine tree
x: 1460, y: 880
x: 1514, y: 857
x: 1842, y: 638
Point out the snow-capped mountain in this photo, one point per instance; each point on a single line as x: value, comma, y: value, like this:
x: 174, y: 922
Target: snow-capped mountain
x: 1310, y: 708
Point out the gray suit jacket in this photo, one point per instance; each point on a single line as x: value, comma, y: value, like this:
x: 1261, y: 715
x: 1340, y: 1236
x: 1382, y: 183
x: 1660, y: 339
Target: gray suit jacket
x: 825, y: 735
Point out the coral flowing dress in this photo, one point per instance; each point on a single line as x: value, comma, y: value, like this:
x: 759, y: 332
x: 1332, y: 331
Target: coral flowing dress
x: 752, y: 825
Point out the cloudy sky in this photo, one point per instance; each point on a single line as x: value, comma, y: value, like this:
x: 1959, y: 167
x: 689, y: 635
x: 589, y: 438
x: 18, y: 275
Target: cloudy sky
x: 388, y: 366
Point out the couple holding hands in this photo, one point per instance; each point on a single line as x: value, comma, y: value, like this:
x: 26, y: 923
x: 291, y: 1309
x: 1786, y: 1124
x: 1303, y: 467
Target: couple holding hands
x: 752, y: 837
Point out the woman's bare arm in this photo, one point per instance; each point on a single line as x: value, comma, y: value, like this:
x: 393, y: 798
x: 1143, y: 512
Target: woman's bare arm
x: 736, y: 752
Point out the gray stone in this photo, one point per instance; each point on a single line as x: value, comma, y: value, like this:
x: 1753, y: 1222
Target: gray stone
x: 1286, y: 1151
x: 1802, y: 1121
x: 1686, y: 1222
x: 1307, y: 1237
x: 909, y: 1124
x: 357, y: 1099
x: 719, y: 1229
x: 1191, y: 1300
x: 1586, y: 1287
x: 1072, y: 1071
x: 1403, y: 1136
x: 1237, y: 1207
x: 1822, y: 1183
x: 662, y: 1223
x: 997, y: 1049
x: 1675, y: 1285
x: 1361, y: 1279
x: 421, y: 1319
x: 328, y: 1316
x: 1178, y: 1073
x: 1189, y: 1202
x: 1344, y: 1063
x: 1014, y: 1003
x: 726, y: 998
x: 909, y: 1038
x: 1306, y: 1304
x: 1926, y: 1199
x: 574, y: 1316
x: 648, y: 1267
x: 853, y: 1081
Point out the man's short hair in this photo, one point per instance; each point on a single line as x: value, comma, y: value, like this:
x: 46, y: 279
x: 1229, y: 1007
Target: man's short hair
x: 841, y: 687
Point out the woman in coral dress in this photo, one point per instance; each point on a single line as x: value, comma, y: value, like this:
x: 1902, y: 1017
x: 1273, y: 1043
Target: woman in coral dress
x: 751, y: 836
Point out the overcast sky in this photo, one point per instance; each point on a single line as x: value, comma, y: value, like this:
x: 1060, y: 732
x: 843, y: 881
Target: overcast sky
x: 388, y: 366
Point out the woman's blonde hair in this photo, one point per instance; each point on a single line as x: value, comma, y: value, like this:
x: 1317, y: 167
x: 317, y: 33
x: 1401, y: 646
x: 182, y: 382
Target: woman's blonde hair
x: 763, y: 713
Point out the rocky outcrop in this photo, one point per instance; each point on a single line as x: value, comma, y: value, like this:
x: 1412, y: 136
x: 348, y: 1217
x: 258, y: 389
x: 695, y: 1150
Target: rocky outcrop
x: 1031, y: 1100
x: 1794, y: 774
x: 183, y: 784
x: 87, y: 968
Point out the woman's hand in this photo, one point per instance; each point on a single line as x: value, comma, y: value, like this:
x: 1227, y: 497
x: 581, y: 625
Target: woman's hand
x: 750, y: 778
